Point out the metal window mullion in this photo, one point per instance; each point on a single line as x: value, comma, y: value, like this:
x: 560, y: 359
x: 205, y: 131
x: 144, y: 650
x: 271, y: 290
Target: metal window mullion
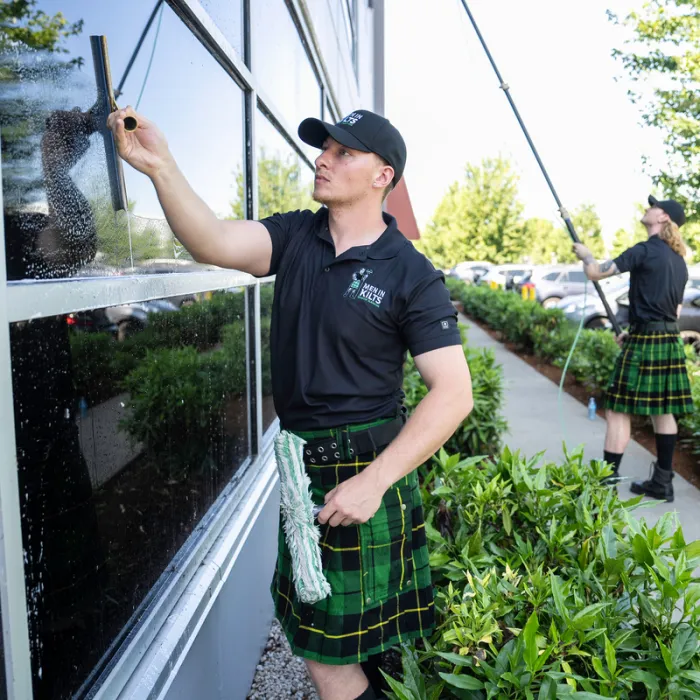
x: 13, y: 598
x: 257, y: 368
x: 302, y: 18
x: 247, y: 31
x: 252, y: 212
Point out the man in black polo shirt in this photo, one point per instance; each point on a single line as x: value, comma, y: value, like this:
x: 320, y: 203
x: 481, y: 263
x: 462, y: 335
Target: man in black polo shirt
x: 352, y: 296
x: 650, y: 376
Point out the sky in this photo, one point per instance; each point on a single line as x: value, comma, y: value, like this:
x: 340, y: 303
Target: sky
x: 444, y: 97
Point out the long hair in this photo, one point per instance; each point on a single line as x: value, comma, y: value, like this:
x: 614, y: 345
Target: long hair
x: 671, y: 235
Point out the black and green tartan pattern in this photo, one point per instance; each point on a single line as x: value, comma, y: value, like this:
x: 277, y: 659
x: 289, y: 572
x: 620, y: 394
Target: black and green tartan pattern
x: 650, y: 377
x: 379, y: 574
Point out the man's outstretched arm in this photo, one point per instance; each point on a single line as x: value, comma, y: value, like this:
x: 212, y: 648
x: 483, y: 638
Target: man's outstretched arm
x: 239, y: 245
x: 594, y: 270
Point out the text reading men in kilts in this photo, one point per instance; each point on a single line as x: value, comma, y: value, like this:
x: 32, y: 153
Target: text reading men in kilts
x: 650, y: 377
x: 352, y: 296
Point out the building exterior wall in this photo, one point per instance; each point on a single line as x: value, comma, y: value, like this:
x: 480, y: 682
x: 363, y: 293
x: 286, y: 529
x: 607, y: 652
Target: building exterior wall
x: 138, y: 494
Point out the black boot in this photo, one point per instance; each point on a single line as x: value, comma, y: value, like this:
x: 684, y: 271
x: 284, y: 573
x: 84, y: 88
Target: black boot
x: 658, y: 485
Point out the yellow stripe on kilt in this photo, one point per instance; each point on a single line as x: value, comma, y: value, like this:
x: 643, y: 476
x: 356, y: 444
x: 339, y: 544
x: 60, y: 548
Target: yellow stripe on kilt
x: 371, y: 627
x: 675, y: 397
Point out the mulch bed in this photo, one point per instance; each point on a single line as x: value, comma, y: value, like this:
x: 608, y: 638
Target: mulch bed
x: 685, y: 462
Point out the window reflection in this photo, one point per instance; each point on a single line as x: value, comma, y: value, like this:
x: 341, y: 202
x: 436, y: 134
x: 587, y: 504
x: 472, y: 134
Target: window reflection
x: 291, y: 83
x: 58, y: 205
x: 349, y: 10
x: 228, y: 17
x: 285, y: 182
x: 129, y: 422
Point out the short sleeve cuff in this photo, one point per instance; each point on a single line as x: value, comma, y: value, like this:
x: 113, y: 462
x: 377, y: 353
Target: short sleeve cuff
x: 440, y: 334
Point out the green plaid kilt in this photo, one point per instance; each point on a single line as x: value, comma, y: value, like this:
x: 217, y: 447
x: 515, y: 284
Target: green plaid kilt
x: 379, y: 574
x: 650, y: 376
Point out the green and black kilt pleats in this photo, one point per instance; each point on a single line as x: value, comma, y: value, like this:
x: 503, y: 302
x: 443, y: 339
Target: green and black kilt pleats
x: 379, y: 574
x: 650, y: 376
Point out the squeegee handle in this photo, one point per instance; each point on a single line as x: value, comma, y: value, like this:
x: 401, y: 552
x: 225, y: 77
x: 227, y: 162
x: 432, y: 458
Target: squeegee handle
x: 567, y: 220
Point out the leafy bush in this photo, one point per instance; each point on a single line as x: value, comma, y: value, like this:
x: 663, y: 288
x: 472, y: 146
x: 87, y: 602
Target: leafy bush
x: 480, y: 433
x: 547, y: 587
x: 198, y: 325
x: 178, y: 398
x: 547, y: 333
x: 94, y: 371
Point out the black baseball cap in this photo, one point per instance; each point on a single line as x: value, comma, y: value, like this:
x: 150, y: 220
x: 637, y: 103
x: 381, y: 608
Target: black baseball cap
x: 361, y: 130
x: 671, y: 207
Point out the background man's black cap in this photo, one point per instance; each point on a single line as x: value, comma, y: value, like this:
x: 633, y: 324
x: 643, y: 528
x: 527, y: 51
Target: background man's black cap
x: 671, y: 207
x: 363, y: 131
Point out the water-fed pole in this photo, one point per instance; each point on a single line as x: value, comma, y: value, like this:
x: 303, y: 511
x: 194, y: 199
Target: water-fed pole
x: 562, y: 210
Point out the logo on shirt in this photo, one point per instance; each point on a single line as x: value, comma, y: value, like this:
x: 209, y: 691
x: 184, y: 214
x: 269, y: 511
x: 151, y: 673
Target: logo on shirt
x: 352, y: 119
x: 445, y: 325
x: 359, y: 288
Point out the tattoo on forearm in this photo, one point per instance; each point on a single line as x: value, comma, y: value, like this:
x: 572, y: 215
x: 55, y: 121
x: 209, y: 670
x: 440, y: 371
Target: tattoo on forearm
x: 607, y: 266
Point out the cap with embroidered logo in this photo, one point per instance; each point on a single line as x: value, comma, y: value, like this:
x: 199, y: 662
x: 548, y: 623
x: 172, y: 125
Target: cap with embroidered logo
x: 361, y: 130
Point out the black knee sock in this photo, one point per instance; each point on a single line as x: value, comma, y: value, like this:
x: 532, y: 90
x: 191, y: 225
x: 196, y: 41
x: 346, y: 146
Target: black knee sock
x: 367, y: 695
x: 665, y: 444
x: 613, y: 458
x: 374, y: 675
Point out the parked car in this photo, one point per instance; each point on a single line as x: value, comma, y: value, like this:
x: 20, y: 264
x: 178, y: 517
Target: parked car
x: 689, y: 321
x: 505, y: 276
x: 554, y: 282
x: 591, y: 307
x: 471, y: 271
x: 121, y: 320
x: 616, y: 290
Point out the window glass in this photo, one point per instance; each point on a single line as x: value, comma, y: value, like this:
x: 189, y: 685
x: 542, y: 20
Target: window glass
x: 349, y: 8
x: 57, y: 189
x: 129, y: 422
x: 228, y: 17
x: 290, y: 83
x: 578, y: 276
x: 285, y: 182
x: 550, y: 277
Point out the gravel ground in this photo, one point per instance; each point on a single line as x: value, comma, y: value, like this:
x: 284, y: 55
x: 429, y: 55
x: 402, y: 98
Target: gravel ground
x: 279, y: 674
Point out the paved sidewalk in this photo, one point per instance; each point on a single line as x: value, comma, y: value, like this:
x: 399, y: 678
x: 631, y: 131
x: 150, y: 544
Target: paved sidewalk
x: 532, y: 411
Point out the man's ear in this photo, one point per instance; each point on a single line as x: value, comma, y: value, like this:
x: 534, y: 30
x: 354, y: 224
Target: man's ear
x: 384, y: 178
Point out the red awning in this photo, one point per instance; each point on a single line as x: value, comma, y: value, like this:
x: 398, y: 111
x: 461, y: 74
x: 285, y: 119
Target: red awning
x: 398, y: 204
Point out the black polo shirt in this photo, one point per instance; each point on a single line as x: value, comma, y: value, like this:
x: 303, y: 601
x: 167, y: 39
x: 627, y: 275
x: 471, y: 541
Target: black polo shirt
x: 341, y: 326
x: 658, y: 276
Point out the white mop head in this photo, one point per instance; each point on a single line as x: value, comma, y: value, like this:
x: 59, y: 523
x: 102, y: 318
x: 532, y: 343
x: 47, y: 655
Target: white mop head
x: 297, y: 508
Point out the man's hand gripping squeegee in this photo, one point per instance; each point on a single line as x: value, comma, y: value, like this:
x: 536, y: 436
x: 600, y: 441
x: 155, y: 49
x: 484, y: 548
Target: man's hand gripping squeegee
x: 564, y: 213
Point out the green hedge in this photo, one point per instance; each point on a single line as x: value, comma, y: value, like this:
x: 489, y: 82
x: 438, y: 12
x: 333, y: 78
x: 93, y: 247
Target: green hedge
x: 548, y: 588
x: 101, y: 365
x: 480, y: 433
x: 547, y: 334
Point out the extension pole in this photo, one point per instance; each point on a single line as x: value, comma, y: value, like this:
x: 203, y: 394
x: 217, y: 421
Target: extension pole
x: 564, y: 213
x: 120, y: 87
